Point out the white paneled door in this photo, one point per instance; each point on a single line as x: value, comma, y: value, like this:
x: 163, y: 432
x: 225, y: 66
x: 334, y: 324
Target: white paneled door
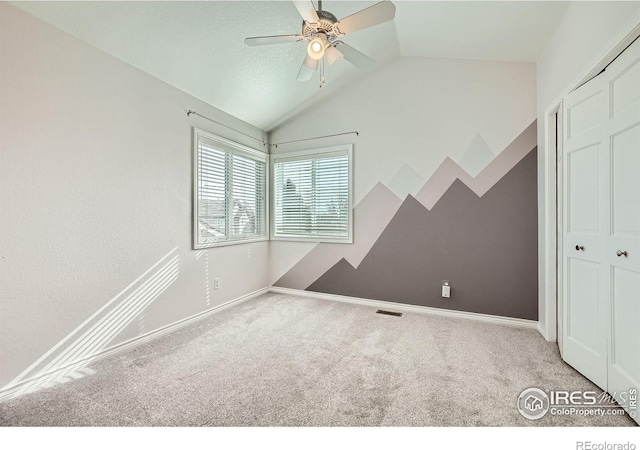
x: 585, y: 306
x: 623, y: 244
x: 601, y: 228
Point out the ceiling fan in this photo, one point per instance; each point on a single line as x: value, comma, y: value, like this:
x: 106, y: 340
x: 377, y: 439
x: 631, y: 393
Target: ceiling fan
x: 322, y: 30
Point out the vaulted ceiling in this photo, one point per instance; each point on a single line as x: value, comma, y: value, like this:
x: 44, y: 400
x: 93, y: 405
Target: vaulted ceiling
x: 199, y: 47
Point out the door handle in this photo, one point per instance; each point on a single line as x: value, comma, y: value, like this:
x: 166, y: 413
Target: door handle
x: 580, y: 248
x: 622, y: 253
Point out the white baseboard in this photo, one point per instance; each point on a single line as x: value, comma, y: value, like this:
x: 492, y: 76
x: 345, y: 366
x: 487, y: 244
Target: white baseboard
x: 542, y: 331
x: 510, y: 321
x: 546, y: 333
x: 14, y: 390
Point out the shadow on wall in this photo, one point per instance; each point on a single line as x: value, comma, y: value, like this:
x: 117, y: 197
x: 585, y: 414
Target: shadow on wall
x: 69, y: 358
x: 206, y: 274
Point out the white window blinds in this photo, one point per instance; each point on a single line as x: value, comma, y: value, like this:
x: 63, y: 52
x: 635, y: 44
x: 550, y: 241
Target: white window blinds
x: 312, y: 195
x: 229, y: 192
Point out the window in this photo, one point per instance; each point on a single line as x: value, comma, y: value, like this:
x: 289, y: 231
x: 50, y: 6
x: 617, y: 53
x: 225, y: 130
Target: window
x: 229, y: 203
x: 312, y: 195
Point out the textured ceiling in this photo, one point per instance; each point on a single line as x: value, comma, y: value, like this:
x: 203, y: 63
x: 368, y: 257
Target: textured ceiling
x: 198, y: 46
x: 494, y: 31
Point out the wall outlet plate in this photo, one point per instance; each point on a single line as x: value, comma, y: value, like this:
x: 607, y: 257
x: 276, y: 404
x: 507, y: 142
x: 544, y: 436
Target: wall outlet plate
x: 446, y: 289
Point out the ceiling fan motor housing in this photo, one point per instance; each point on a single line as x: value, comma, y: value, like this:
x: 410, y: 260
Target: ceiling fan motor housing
x: 324, y: 25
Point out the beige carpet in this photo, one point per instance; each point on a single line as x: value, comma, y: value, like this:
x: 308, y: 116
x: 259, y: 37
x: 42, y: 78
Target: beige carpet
x: 280, y: 360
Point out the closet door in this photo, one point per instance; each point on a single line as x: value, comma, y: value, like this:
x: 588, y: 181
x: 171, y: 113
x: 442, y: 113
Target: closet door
x: 623, y: 244
x: 585, y: 203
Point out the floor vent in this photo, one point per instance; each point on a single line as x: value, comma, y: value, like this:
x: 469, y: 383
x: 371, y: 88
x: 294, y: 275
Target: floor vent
x: 389, y: 313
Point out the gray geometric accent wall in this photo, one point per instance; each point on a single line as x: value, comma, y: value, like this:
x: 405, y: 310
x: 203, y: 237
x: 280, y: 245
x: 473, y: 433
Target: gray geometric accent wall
x: 479, y: 233
x: 486, y: 247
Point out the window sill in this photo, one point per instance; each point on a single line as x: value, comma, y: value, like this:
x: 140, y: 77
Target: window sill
x: 319, y: 239
x: 227, y: 243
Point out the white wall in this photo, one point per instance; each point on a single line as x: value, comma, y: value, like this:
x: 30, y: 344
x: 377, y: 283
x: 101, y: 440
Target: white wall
x: 95, y: 174
x: 584, y: 30
x: 415, y: 111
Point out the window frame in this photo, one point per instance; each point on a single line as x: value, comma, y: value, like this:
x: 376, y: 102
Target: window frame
x: 229, y: 146
x: 311, y: 153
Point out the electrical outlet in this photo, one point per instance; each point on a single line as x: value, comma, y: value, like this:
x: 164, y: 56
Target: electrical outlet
x: 446, y: 289
x: 216, y: 283
x: 248, y: 252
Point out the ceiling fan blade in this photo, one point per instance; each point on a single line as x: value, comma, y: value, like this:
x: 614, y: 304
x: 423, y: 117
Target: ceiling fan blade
x: 332, y: 54
x: 358, y: 59
x: 268, y: 40
x: 373, y: 15
x: 307, y: 11
x: 309, y: 65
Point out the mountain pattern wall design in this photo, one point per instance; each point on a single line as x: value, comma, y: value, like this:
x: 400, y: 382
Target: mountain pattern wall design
x: 479, y: 233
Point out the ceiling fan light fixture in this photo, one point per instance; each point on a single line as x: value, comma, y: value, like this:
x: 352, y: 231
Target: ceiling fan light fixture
x: 315, y: 49
x: 332, y: 54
